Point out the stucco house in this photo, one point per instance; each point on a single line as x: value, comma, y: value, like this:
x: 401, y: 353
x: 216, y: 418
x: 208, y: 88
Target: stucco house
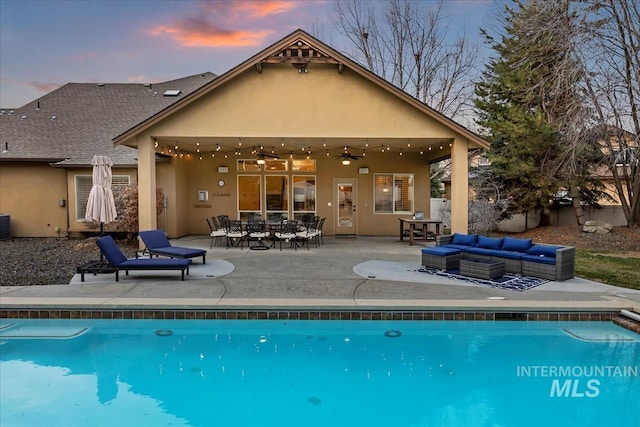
x: 297, y: 128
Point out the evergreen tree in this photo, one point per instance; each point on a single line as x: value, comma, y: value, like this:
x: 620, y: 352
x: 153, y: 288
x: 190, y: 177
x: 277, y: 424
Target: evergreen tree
x: 530, y: 106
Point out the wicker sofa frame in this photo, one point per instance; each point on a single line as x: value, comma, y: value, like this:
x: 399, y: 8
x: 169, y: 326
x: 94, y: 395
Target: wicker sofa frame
x: 563, y: 269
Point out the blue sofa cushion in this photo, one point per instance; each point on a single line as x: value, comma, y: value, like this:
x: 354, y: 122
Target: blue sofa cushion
x: 543, y: 250
x: 480, y: 251
x: 507, y: 254
x: 540, y: 259
x: 489, y: 242
x: 518, y: 245
x: 464, y: 239
x: 440, y: 250
x: 460, y: 247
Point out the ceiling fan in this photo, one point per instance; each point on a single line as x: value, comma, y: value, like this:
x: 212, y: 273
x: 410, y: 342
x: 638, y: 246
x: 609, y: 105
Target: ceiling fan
x: 346, y: 156
x: 263, y: 155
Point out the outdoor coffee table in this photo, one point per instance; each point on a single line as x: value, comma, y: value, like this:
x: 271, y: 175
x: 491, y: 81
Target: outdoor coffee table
x: 481, y: 268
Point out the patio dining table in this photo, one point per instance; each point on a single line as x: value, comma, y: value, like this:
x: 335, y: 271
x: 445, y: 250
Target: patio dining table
x: 270, y: 227
x: 425, y: 223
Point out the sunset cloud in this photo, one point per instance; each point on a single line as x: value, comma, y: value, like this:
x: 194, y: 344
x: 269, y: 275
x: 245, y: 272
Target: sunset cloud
x: 202, y: 33
x: 220, y: 24
x: 250, y: 9
x: 44, y: 87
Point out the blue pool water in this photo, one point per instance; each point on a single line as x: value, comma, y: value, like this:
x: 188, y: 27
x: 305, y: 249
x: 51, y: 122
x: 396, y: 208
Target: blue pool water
x: 305, y: 373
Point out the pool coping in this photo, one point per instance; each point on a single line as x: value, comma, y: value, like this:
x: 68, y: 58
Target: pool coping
x: 330, y: 314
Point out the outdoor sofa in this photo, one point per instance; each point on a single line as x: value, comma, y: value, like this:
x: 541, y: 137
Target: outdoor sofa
x: 119, y: 261
x: 520, y: 256
x: 156, y: 243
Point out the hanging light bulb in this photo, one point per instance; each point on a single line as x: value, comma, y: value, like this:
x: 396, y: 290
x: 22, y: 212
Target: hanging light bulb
x: 346, y: 162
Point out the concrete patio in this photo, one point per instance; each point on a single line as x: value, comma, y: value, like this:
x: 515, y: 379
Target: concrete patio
x: 319, y: 279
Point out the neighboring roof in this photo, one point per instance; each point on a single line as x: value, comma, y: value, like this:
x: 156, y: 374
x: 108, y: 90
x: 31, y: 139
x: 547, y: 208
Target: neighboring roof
x: 79, y: 120
x: 281, y: 51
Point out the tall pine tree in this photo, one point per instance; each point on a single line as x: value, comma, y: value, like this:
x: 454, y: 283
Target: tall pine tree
x: 529, y: 104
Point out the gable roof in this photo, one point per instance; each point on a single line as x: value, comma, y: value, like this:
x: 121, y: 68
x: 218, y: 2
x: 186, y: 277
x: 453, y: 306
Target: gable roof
x: 71, y: 124
x: 299, y: 48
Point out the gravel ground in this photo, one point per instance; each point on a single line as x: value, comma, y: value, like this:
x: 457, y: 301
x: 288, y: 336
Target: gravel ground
x: 47, y: 261
x: 51, y: 261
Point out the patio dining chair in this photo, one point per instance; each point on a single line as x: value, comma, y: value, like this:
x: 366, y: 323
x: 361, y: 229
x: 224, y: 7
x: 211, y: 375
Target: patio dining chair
x: 320, y: 225
x: 216, y: 232
x: 257, y: 232
x: 309, y: 232
x: 235, y: 233
x: 286, y: 231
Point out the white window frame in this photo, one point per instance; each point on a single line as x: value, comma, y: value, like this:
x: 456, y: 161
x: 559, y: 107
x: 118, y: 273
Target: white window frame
x: 83, y: 184
x: 394, y: 193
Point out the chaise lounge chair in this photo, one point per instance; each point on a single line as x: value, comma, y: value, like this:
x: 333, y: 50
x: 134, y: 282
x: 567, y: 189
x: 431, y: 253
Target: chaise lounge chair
x: 120, y: 262
x: 157, y: 244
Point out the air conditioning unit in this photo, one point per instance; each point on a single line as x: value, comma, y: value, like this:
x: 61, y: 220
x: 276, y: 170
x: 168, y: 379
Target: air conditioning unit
x: 5, y: 227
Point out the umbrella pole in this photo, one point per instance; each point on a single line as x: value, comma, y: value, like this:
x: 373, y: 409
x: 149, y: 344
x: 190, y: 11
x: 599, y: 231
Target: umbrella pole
x: 101, y: 233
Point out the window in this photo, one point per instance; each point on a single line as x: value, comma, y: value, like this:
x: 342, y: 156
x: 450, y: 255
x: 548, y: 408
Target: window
x: 393, y: 193
x: 304, y: 195
x: 303, y: 165
x: 83, y: 188
x: 626, y: 156
x: 248, y: 165
x: 276, y: 165
x: 277, y: 197
x: 249, y: 196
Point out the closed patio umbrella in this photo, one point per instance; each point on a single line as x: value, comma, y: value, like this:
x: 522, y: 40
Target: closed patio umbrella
x: 101, y: 206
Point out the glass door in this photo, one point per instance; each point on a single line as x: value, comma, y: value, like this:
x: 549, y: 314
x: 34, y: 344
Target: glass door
x: 345, y: 197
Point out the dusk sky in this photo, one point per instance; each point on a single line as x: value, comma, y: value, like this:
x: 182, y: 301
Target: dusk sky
x: 47, y: 43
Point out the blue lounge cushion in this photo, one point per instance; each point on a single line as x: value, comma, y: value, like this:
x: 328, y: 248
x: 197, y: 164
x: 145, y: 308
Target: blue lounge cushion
x: 118, y: 260
x: 489, y: 242
x: 179, y: 252
x: 158, y: 244
x: 153, y: 263
x: 154, y: 239
x: 518, y: 245
x: 111, y: 251
x: 543, y: 251
x: 464, y: 239
x: 440, y: 250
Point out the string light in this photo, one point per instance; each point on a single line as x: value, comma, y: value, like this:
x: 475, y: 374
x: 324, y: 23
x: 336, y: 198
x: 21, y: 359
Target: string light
x: 194, y: 149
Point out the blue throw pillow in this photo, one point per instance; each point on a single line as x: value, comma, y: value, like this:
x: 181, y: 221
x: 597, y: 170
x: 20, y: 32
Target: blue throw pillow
x: 489, y: 243
x: 464, y: 239
x: 518, y: 245
x: 543, y: 250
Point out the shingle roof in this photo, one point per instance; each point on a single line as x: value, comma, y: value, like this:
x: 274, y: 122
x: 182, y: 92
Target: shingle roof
x: 79, y: 120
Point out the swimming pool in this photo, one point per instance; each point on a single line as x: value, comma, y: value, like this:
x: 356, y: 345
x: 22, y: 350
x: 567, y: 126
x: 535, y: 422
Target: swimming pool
x: 317, y: 373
